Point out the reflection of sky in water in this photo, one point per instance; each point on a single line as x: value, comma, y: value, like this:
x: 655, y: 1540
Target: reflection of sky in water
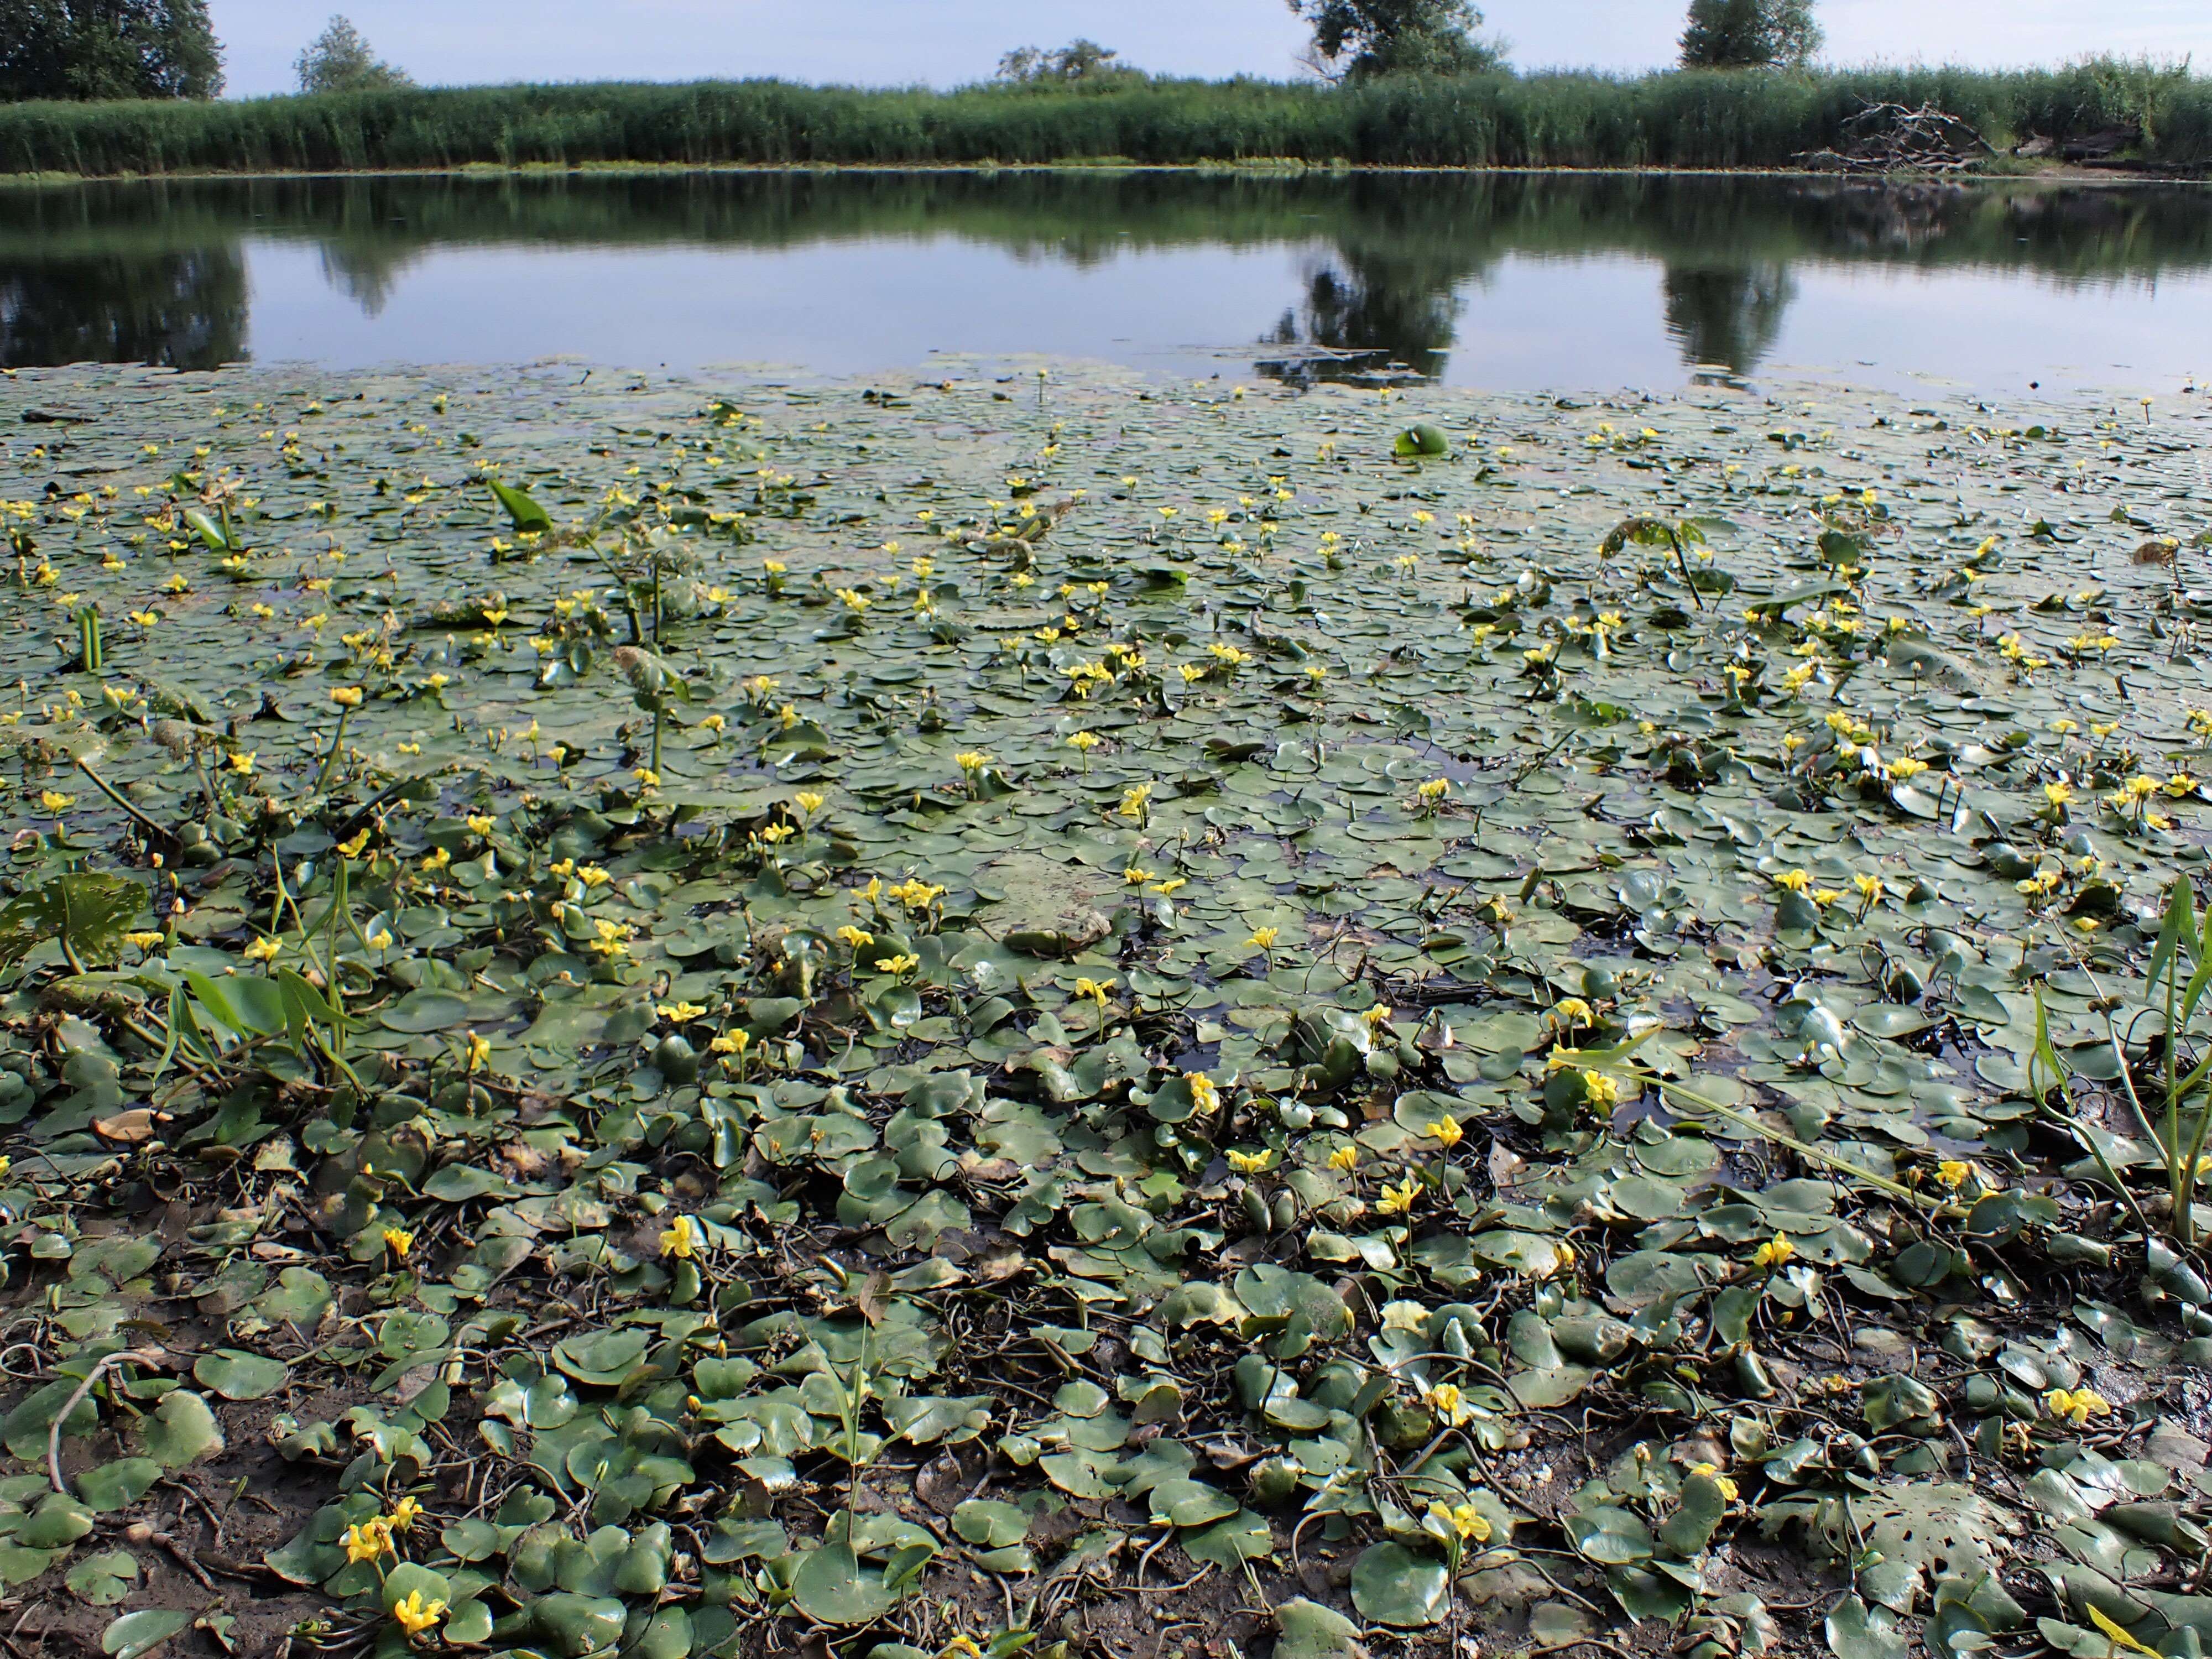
x: 860, y: 306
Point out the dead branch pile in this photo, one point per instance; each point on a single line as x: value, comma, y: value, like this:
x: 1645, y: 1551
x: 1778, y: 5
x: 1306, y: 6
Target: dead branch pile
x: 1890, y: 138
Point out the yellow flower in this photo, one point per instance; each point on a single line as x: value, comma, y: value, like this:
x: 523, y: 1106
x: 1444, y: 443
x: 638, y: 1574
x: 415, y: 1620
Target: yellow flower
x: 262, y: 950
x: 1345, y: 1158
x: 1772, y: 1254
x: 809, y: 801
x: 403, y: 1513
x: 646, y: 776
x: 352, y: 847
x: 1377, y: 1016
x: 369, y: 1540
x: 146, y: 941
x: 591, y: 876
x: 54, y: 801
x: 479, y: 1050
x: 1796, y: 881
x: 398, y: 1241
x: 1446, y: 1402
x: 1571, y: 1011
x: 1462, y: 1521
x: 480, y: 823
x: 680, y: 1240
x: 917, y: 894
x: 1600, y: 1090
x: 1869, y: 887
x: 853, y: 937
x: 896, y: 964
x: 1398, y: 1200
x: 1249, y: 1163
x: 1435, y: 789
x: 1093, y: 989
x: 2076, y: 1406
x: 681, y: 1013
x: 1263, y: 938
x: 380, y: 939
x: 415, y: 1615
x: 242, y: 761
x: 438, y: 858
x: 1084, y: 741
x: 1136, y: 875
x: 2058, y: 795
x: 1168, y: 888
x: 732, y: 1042
x: 1953, y: 1172
x: 346, y: 696
x: 1205, y: 1093
x: 1447, y: 1129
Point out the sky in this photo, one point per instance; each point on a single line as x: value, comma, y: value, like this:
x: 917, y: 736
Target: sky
x: 946, y: 42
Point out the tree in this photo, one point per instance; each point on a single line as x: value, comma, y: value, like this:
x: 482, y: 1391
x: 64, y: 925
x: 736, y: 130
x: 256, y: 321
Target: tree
x: 1750, y: 34
x: 339, y: 60
x: 1079, y: 62
x: 1355, y: 39
x: 88, y: 49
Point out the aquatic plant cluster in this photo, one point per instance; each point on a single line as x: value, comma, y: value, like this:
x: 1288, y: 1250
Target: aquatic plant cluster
x: 685, y: 1015
x: 1699, y: 118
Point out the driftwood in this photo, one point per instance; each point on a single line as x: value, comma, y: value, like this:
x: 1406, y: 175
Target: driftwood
x: 1890, y: 138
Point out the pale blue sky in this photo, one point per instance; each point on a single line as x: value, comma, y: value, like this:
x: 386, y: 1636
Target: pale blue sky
x: 946, y: 42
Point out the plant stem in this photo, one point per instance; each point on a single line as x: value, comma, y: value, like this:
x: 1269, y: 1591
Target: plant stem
x: 337, y: 742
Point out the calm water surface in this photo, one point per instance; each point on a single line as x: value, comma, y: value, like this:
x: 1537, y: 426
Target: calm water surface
x: 1502, y: 280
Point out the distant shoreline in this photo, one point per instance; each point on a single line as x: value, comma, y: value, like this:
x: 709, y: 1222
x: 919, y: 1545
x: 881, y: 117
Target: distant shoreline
x: 2049, y: 174
x: 2123, y: 118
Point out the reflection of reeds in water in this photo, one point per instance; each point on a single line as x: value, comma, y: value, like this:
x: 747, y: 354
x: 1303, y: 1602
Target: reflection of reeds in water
x: 154, y: 271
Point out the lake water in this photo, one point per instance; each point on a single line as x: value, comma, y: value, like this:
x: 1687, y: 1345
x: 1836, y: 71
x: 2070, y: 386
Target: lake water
x: 1501, y: 281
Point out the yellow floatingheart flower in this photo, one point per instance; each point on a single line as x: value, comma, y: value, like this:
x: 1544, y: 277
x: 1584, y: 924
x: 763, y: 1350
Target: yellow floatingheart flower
x: 1447, y: 1403
x: 732, y: 1042
x: 682, y: 1014
x: 680, y: 1239
x: 262, y: 950
x: 1953, y: 1172
x: 1399, y: 1200
x: 1249, y: 1163
x: 2076, y: 1406
x: 853, y: 937
x: 811, y: 801
x: 1345, y: 1158
x: 1205, y: 1093
x: 403, y: 1513
x: 54, y: 801
x: 1772, y: 1254
x: 1795, y: 881
x: 1263, y: 938
x: 399, y: 1240
x: 415, y: 1615
x: 346, y: 696
x: 1600, y: 1090
x: 368, y: 1540
x: 1711, y: 1472
x: 353, y: 845
x: 1447, y: 1129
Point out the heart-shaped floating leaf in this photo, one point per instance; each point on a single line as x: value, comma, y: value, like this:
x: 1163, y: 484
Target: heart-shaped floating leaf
x: 104, y: 1579
x: 1393, y: 1585
x: 56, y: 1521
x: 118, y: 1484
x: 181, y: 1430
x: 603, y: 1359
x: 1307, y: 1630
x: 831, y: 1586
x: 141, y: 1632
x: 236, y: 1375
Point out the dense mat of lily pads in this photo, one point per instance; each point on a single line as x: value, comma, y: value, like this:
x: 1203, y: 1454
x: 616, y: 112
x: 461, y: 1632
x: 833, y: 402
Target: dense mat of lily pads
x: 684, y: 1013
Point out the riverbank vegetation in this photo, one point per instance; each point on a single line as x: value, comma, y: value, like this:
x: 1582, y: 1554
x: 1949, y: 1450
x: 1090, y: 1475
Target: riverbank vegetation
x: 1685, y: 118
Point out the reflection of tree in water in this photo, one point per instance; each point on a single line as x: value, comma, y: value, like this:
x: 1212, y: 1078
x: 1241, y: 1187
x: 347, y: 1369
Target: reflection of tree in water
x: 1395, y: 318
x: 365, y: 272
x: 182, y: 310
x: 1727, y: 316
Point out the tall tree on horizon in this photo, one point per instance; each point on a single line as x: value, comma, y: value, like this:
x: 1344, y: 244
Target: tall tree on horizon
x: 91, y: 49
x: 1356, y: 39
x: 1750, y: 34
x: 339, y: 60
